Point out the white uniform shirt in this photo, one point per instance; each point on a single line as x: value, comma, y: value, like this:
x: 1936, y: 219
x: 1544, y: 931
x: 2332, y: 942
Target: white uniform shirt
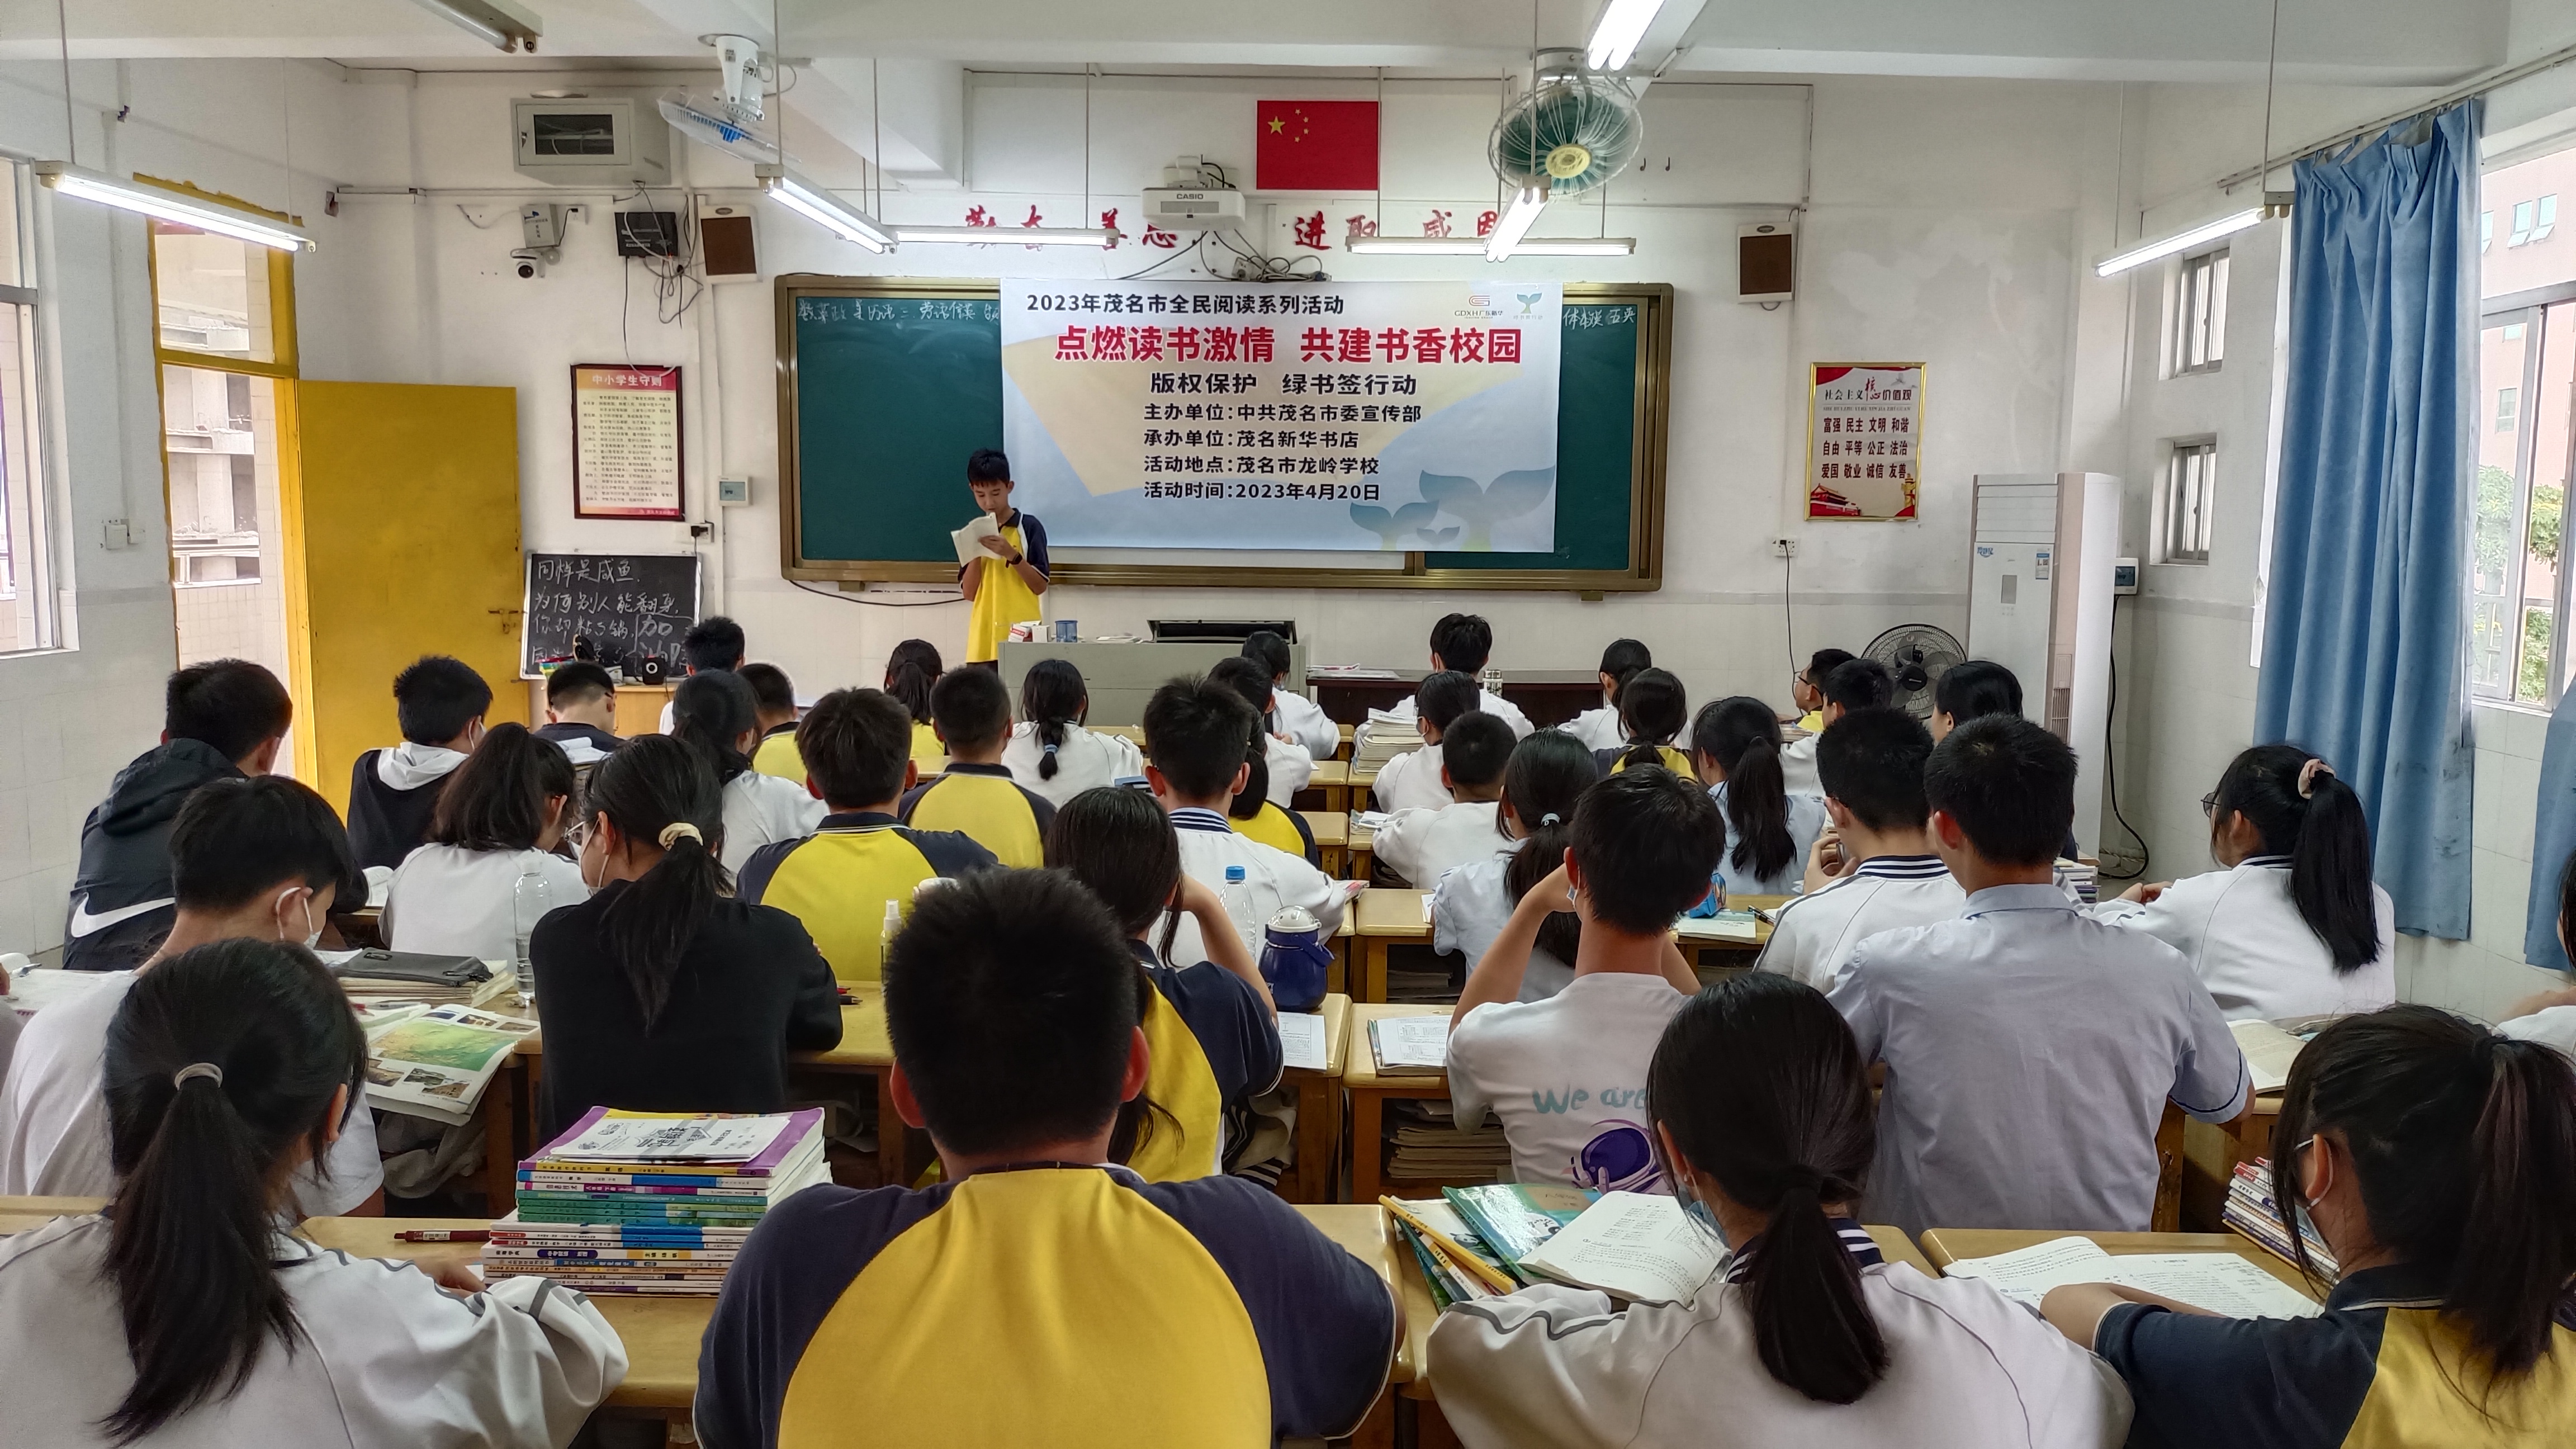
x: 1422, y: 845
x: 2243, y: 935
x: 2550, y: 1026
x: 450, y: 901
x: 1406, y: 711
x: 1085, y: 761
x: 1813, y: 935
x: 1567, y: 1076
x: 1301, y: 719
x: 1807, y: 820
x: 1411, y: 781
x: 1555, y: 1368
x: 1469, y: 909
x: 381, y: 1355
x: 2030, y: 1051
x: 1599, y: 729
x: 1798, y: 765
x: 53, y: 1115
x: 1290, y: 768
x: 1272, y: 878
x: 763, y: 809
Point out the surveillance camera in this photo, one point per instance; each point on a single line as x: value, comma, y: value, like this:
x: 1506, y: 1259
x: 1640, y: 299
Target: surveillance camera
x: 531, y: 262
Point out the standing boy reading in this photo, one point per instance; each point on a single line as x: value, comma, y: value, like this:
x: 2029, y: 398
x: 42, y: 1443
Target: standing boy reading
x: 1003, y: 589
x: 1871, y: 764
x: 1198, y: 741
x: 976, y: 795
x: 581, y: 712
x: 440, y: 703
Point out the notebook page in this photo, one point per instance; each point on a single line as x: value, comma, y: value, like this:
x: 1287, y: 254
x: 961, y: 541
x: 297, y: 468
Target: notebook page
x: 1636, y: 1246
x: 1301, y: 1040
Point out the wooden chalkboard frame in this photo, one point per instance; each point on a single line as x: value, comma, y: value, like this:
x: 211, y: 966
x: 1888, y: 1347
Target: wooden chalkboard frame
x: 1651, y: 426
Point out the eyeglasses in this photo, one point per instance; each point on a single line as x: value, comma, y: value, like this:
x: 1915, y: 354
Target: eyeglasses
x: 2209, y: 806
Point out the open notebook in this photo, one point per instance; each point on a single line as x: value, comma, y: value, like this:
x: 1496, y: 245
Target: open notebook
x: 2223, y: 1283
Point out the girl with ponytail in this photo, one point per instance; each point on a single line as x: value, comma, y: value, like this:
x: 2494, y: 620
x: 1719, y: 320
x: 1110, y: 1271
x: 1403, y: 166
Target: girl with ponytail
x: 1600, y: 729
x: 911, y: 670
x: 714, y: 713
x: 186, y: 1313
x: 1050, y: 753
x: 1547, y: 774
x: 662, y: 992
x: 2291, y: 924
x: 1759, y: 1103
x: 490, y: 871
x: 1736, y: 744
x: 1652, y: 710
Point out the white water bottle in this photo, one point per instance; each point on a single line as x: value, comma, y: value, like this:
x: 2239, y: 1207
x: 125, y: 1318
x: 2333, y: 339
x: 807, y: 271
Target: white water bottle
x: 1237, y: 899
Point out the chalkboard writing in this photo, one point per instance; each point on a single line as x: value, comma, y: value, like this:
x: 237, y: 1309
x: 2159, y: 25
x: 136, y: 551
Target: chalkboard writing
x: 625, y: 604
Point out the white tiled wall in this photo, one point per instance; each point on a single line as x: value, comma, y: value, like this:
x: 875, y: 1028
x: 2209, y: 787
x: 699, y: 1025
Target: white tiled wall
x: 2485, y: 974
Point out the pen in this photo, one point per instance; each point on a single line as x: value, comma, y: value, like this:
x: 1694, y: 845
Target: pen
x: 443, y: 1235
x: 1486, y: 1273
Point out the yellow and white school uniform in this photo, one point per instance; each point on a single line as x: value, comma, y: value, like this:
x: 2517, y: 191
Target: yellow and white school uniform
x: 1814, y: 934
x: 2243, y: 935
x: 1599, y: 729
x: 1214, y: 1047
x: 778, y: 755
x: 838, y: 880
x: 1002, y: 597
x: 1282, y: 830
x: 1273, y: 879
x: 983, y: 803
x: 1798, y: 766
x: 763, y: 810
x: 1408, y: 709
x: 1411, y: 781
x: 1086, y: 760
x: 446, y: 900
x: 1422, y: 845
x: 1290, y: 768
x: 1469, y: 909
x: 1304, y: 721
x: 928, y: 750
x: 1611, y: 762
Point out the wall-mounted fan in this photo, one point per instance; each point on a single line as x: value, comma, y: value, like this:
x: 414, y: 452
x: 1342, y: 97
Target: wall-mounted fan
x: 1571, y: 133
x: 1917, y: 654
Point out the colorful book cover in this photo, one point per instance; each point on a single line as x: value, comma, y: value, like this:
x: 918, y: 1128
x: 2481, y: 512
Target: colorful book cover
x: 1513, y: 1218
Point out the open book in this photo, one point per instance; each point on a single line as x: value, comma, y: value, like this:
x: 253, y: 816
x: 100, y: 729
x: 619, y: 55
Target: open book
x: 970, y: 539
x: 1639, y: 1247
x: 1410, y: 1045
x: 1301, y: 1040
x: 2223, y: 1283
x: 2269, y: 1051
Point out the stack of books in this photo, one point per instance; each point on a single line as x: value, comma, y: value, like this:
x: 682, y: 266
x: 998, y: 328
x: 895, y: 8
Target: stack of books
x: 2084, y: 881
x: 2251, y: 1212
x: 376, y: 979
x: 1423, y: 1144
x: 641, y: 1202
x: 1385, y: 736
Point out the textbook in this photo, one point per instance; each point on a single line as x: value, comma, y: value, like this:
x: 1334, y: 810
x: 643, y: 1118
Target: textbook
x: 1409, y: 1046
x: 1724, y: 926
x: 2223, y: 1283
x: 2251, y: 1211
x: 1637, y: 1247
x: 1423, y: 1144
x: 645, y: 1202
x: 1511, y: 1219
x: 436, y: 1063
x: 2269, y: 1051
x: 1301, y: 1041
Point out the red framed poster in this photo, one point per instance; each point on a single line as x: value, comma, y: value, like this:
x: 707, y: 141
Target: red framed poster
x: 1864, y: 439
x: 626, y: 437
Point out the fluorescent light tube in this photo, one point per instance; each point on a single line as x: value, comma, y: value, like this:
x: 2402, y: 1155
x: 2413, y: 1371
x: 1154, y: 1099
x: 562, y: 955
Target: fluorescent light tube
x: 1416, y: 246
x: 2275, y: 204
x: 822, y: 208
x: 1614, y: 40
x: 1576, y: 246
x: 499, y: 23
x: 1027, y: 236
x: 1518, y: 218
x: 174, y: 206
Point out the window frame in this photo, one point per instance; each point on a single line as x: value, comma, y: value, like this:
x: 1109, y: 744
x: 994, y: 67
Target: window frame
x: 2198, y: 313
x: 2170, y: 513
x: 281, y: 293
x: 38, y: 574
x: 2531, y: 310
x: 2523, y: 213
x: 2547, y: 221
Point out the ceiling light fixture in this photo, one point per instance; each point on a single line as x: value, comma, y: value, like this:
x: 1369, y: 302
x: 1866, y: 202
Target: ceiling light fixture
x: 1033, y: 236
x: 206, y: 215
x: 498, y: 23
x: 1468, y: 246
x: 2275, y: 205
x: 822, y: 208
x: 1516, y: 221
x: 1614, y: 40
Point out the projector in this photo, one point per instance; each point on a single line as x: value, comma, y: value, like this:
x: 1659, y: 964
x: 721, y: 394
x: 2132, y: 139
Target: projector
x: 1205, y: 209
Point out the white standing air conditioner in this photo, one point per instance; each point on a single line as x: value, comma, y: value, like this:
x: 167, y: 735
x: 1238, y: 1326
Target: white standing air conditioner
x: 578, y: 141
x: 1194, y: 208
x: 2040, y: 574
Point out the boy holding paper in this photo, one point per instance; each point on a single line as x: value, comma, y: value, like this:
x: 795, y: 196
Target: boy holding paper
x: 1004, y: 587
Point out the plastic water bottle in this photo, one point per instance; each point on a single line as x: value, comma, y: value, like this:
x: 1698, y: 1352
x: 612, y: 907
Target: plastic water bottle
x: 892, y: 928
x: 531, y: 896
x: 1237, y: 899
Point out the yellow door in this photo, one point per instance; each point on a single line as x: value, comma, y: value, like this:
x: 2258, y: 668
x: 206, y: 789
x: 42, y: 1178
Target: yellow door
x: 400, y: 508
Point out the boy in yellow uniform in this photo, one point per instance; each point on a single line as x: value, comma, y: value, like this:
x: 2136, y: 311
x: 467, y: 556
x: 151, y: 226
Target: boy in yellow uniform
x: 1004, y: 591
x: 773, y: 695
x: 976, y: 795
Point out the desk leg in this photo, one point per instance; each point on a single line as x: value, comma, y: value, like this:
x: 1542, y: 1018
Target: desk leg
x: 889, y: 1132
x: 1316, y: 1122
x: 500, y: 1149
x: 2169, y: 1157
x: 1372, y: 983
x: 1332, y: 860
x: 1368, y: 1110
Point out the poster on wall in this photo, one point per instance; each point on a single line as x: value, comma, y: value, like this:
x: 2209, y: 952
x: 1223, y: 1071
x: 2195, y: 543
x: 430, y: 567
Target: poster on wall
x: 1864, y: 439
x: 1352, y: 416
x: 626, y: 442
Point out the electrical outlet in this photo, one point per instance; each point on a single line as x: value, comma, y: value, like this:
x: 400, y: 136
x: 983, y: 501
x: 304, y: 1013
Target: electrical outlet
x: 1784, y: 548
x: 577, y: 211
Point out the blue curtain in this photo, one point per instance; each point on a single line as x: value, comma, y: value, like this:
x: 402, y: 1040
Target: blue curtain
x: 2366, y: 615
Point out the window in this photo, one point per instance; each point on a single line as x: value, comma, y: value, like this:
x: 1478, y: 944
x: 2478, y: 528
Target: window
x: 2187, y: 503
x: 2506, y: 397
x: 2548, y: 221
x: 28, y: 615
x: 2522, y: 219
x: 2525, y: 444
x: 2199, y: 327
x: 2486, y: 229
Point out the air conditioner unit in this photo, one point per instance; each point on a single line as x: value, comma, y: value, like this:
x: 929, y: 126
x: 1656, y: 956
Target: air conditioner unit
x: 2040, y: 578
x: 1207, y: 209
x: 582, y: 142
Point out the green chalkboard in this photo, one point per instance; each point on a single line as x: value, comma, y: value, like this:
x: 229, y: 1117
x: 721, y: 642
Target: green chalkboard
x: 886, y: 385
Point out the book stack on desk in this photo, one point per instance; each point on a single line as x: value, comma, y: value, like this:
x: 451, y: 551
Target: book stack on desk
x: 1423, y: 1144
x: 1386, y: 736
x: 2250, y: 1211
x: 378, y: 979
x: 640, y: 1202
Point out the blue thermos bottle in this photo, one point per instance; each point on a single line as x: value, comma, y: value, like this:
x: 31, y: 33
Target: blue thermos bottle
x: 1294, y: 960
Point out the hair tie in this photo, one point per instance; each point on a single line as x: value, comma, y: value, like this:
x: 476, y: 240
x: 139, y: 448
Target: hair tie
x: 1550, y: 818
x: 1797, y: 1180
x: 2308, y: 774
x: 679, y: 830
x: 194, y: 1070
x: 1050, y: 749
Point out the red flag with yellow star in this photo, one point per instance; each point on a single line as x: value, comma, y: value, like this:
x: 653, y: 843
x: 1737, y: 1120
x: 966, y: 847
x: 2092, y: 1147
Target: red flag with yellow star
x: 1315, y: 146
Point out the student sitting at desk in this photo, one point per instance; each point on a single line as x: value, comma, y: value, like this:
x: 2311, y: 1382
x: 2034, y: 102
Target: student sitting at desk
x: 1807, y: 688
x: 186, y: 1313
x: 1049, y: 752
x: 912, y: 671
x: 1599, y: 729
x: 717, y: 718
x: 2030, y: 1049
x: 1180, y: 1313
x: 773, y: 702
x: 1004, y: 588
x: 1197, y: 735
x: 1251, y: 813
x: 2291, y: 924
x: 1211, y: 1031
x: 976, y: 795
x: 853, y: 879
x: 1421, y: 845
x: 489, y: 872
x: 581, y: 712
x: 2436, y: 1159
x: 1736, y: 744
x: 1886, y: 876
x: 1461, y: 643
x: 713, y: 645
x: 1289, y: 766
x: 661, y: 993
x: 220, y: 720
x: 1411, y: 781
x: 260, y: 860
x: 440, y: 703
x: 1852, y: 684
x: 1548, y: 773
x: 1293, y: 716
x: 1761, y: 1118
x: 1567, y: 1075
x: 1653, y: 710
x: 1973, y: 689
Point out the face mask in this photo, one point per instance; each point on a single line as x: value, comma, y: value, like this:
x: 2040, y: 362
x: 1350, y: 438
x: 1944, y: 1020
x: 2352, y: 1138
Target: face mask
x: 312, y: 932
x: 1698, y: 1212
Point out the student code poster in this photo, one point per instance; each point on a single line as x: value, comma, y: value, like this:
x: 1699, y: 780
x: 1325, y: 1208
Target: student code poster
x: 1358, y: 416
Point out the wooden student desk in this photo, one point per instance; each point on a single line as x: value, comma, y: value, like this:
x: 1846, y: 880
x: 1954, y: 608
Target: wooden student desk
x: 2210, y: 1155
x: 1332, y: 831
x: 1319, y: 1109
x: 1944, y: 1246
x: 1384, y: 917
x: 1368, y: 1093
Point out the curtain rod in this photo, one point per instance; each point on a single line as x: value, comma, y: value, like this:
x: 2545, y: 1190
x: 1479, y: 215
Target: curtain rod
x: 2493, y: 81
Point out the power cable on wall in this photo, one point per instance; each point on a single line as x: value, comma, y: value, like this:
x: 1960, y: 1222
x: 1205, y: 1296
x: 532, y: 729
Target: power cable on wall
x: 2111, y: 758
x: 849, y: 598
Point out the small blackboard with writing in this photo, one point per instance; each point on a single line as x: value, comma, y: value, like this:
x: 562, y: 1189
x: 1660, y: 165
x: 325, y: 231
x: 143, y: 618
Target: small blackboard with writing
x: 625, y: 605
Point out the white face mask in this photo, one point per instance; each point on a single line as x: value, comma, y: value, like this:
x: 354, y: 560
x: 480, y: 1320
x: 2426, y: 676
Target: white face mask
x: 312, y: 932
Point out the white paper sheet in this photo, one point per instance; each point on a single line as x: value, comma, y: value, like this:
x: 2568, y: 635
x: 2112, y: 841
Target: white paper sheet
x: 1636, y: 1246
x: 1301, y: 1040
x: 1413, y: 1041
x: 2223, y: 1283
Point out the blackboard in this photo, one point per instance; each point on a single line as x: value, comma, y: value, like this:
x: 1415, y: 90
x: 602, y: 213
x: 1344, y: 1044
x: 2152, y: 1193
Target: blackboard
x: 885, y: 385
x: 627, y: 603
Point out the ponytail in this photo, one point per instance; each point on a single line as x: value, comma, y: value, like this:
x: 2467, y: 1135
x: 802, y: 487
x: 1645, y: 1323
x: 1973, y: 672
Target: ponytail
x: 910, y: 672
x: 2301, y: 810
x: 711, y: 711
x: 497, y: 799
x: 1052, y: 697
x: 218, y: 1061
x: 660, y: 790
x: 1547, y: 773
x: 1743, y: 738
x: 1562, y: 931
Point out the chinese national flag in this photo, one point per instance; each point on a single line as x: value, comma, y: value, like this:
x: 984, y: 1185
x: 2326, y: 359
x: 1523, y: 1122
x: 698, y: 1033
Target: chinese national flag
x: 1315, y: 146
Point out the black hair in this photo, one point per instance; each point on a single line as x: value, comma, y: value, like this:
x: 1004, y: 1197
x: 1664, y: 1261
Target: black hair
x: 1741, y: 736
x: 972, y: 708
x: 855, y: 744
x: 1859, y: 684
x: 1052, y: 696
x: 2326, y: 837
x: 1872, y: 761
x: 1444, y: 696
x: 1246, y: 677
x: 1647, y: 843
x: 1653, y: 707
x: 1269, y: 651
x: 1823, y: 662
x: 2567, y: 903
x: 772, y: 692
x: 714, y: 642
x: 232, y: 704
x: 578, y: 682
x: 198, y: 1163
x: 1764, y: 1090
x: 1011, y: 1000
x: 655, y: 782
x: 711, y: 711
x: 496, y: 800
x: 437, y: 697
x: 1463, y: 641
x: 911, y: 670
x: 988, y: 465
x: 1975, y: 688
x: 1621, y: 661
x: 1547, y: 776
x: 2009, y: 784
x: 1476, y: 748
x: 236, y: 839
x: 1247, y: 802
x: 2463, y: 1146
x: 1196, y: 733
